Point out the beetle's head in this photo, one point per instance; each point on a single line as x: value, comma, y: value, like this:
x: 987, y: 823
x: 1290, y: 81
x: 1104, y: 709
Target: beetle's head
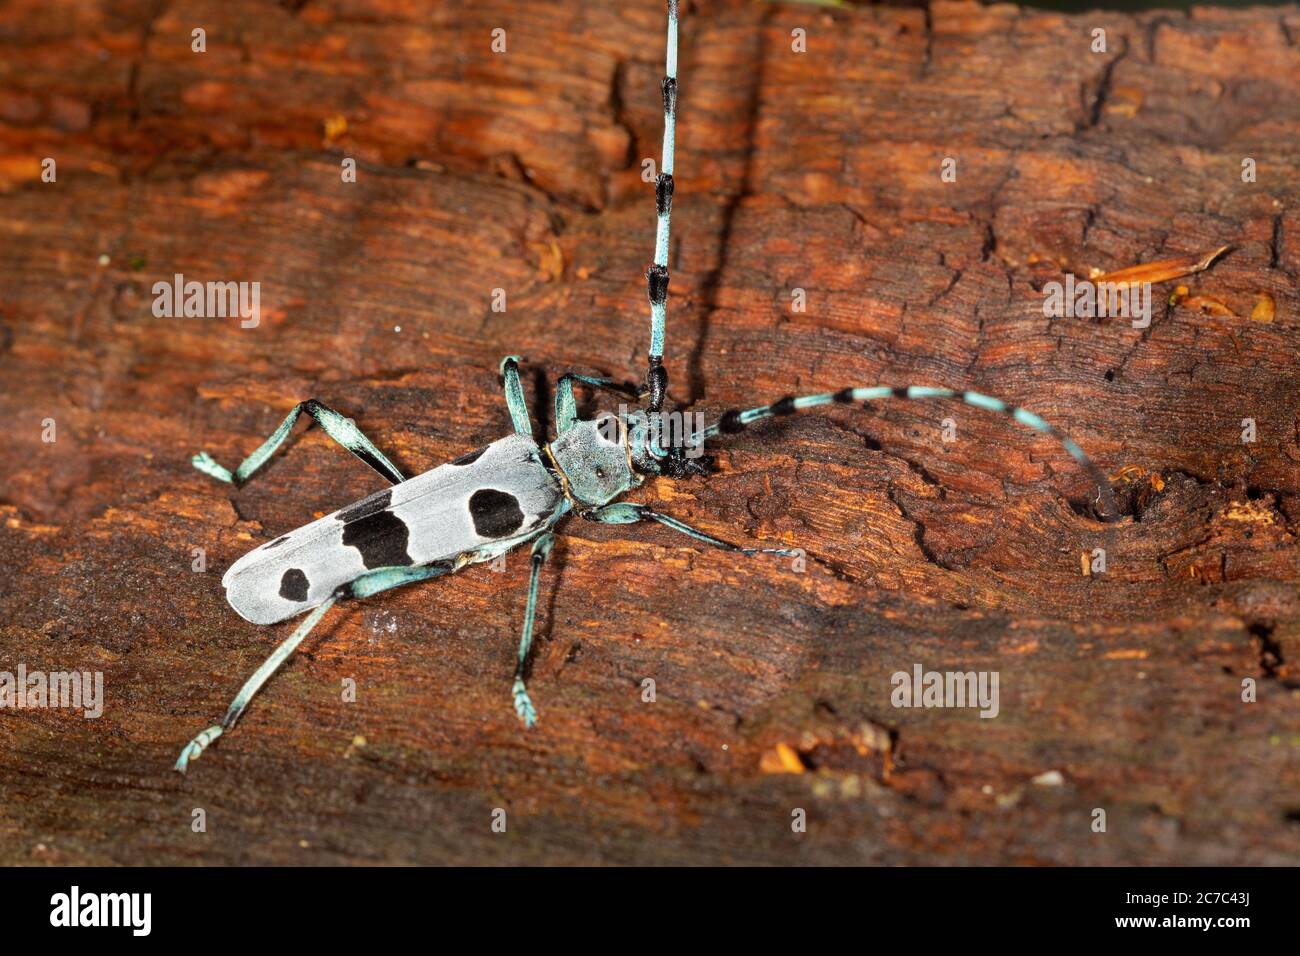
x: 659, y: 445
x: 594, y: 457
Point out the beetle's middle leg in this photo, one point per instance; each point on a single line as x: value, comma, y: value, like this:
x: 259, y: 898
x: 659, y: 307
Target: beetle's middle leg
x: 370, y: 583
x: 523, y: 704
x: 626, y: 513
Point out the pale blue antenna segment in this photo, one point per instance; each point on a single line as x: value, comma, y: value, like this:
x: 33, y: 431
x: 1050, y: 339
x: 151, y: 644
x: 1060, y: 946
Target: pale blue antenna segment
x: 670, y: 71
x: 1026, y: 417
x: 658, y: 288
x: 1076, y: 451
x: 984, y: 401
x: 925, y: 391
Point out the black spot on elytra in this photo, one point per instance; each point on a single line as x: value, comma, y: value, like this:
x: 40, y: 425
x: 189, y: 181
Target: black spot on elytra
x: 495, y: 513
x: 294, y: 585
x: 381, y: 538
x: 276, y: 543
x: 367, y: 506
x: 470, y: 457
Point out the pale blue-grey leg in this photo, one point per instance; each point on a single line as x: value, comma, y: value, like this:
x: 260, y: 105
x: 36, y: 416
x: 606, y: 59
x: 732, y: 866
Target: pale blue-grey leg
x: 523, y: 704
x: 566, y: 407
x: 515, y: 395
x: 381, y: 579
x: 341, y: 429
x: 625, y: 513
x: 194, y: 749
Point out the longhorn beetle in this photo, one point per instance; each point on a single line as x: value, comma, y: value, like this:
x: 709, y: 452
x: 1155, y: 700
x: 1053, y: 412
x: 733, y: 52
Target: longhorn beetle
x: 511, y: 492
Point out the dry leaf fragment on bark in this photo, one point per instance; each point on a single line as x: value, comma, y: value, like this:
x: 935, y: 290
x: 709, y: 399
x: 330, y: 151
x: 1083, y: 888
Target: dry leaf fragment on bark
x: 1131, y: 473
x: 1208, y: 305
x: 1161, y: 271
x: 335, y: 126
x: 1265, y: 308
x: 1125, y: 101
x: 1205, y: 304
x: 781, y: 759
x: 550, y: 259
x: 1249, y: 512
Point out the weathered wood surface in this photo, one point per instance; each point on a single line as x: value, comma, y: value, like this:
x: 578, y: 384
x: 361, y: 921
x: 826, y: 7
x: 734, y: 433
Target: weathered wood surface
x: 522, y: 171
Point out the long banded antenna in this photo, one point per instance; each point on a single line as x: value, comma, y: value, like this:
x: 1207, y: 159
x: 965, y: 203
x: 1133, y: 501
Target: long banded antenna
x: 657, y: 275
x: 737, y: 420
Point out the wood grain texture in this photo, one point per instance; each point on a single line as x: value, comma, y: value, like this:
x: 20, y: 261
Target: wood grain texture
x: 521, y: 171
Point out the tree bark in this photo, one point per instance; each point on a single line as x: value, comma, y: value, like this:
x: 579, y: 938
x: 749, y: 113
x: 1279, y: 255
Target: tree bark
x: 819, y: 171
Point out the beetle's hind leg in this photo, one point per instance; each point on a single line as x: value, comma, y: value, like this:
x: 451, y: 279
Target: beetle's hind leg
x: 523, y: 703
x: 380, y: 579
x: 339, y: 428
x: 194, y: 749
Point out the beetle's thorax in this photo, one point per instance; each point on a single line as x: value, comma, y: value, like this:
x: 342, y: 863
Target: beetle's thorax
x: 593, y: 462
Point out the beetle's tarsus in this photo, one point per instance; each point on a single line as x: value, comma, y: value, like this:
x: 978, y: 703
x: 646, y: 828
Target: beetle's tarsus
x: 206, y: 464
x: 523, y: 704
x: 194, y: 749
x: 782, y: 552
